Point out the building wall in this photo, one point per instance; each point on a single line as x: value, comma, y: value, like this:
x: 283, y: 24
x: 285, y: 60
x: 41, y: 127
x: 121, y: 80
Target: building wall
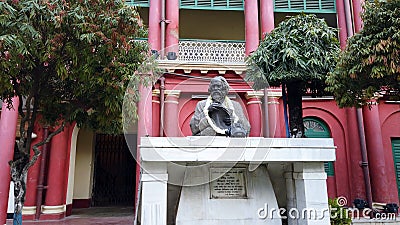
x: 349, y: 177
x: 211, y: 24
x: 335, y: 118
x: 230, y: 25
x: 83, y: 166
x: 390, y: 120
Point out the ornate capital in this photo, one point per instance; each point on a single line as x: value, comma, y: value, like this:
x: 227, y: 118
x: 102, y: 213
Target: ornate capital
x: 172, y: 93
x: 156, y: 96
x: 172, y: 96
x: 274, y: 93
x: 156, y: 93
x: 254, y: 94
x: 254, y: 97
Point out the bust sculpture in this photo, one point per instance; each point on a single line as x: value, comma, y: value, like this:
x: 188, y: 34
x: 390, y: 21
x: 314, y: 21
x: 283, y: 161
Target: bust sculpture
x: 218, y: 115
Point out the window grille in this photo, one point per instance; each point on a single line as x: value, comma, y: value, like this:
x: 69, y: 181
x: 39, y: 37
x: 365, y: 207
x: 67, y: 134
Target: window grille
x: 307, y: 6
x: 142, y: 3
x: 212, y: 4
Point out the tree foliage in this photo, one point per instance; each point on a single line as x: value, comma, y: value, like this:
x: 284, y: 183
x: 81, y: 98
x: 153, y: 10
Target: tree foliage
x: 371, y: 61
x: 298, y: 53
x: 73, y: 61
x: 301, y: 48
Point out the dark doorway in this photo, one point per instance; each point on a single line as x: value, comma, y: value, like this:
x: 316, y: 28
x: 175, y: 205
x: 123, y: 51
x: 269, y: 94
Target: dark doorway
x: 114, y: 172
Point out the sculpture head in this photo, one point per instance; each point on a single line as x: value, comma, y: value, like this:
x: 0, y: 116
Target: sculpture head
x: 218, y: 89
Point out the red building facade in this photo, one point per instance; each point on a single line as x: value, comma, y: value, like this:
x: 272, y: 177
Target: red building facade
x: 190, y: 38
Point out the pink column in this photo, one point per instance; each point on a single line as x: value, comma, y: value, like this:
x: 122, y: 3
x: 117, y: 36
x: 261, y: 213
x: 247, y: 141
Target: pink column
x: 29, y: 209
x: 353, y: 145
x: 254, y: 112
x: 274, y: 115
x: 154, y: 25
x: 267, y: 16
x: 144, y: 125
x: 54, y: 207
x: 357, y: 9
x: 172, y: 30
x: 251, y: 24
x: 341, y: 23
x: 8, y: 126
x: 376, y: 159
x: 171, y: 113
x: 145, y: 111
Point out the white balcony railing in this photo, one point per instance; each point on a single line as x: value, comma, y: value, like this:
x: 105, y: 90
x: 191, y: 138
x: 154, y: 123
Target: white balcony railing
x: 211, y: 51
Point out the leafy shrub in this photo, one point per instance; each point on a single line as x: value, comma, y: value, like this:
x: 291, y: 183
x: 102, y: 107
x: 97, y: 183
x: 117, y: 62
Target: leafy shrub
x: 339, y: 214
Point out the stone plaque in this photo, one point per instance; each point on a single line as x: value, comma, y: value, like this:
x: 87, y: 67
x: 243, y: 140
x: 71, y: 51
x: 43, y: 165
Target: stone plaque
x: 228, y: 183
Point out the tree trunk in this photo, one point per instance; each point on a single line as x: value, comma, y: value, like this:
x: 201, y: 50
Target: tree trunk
x: 17, y: 219
x: 294, y: 94
x: 19, y: 177
x: 19, y: 173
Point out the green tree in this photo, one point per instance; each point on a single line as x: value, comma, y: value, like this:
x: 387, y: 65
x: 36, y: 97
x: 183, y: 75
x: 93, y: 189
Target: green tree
x: 68, y: 61
x: 297, y: 54
x: 339, y: 215
x: 371, y: 61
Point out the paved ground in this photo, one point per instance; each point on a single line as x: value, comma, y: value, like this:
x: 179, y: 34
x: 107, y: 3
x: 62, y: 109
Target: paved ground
x: 91, y: 216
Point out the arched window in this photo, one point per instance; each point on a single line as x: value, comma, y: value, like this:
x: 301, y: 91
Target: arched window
x: 316, y: 128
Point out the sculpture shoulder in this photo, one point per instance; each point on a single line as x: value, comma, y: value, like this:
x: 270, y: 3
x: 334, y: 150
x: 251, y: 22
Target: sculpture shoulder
x: 201, y: 103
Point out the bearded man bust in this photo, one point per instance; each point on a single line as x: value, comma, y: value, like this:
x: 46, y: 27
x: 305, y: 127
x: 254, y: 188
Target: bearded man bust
x: 218, y: 115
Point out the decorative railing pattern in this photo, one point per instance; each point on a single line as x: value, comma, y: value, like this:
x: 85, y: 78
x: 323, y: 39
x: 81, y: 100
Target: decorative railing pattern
x: 211, y: 51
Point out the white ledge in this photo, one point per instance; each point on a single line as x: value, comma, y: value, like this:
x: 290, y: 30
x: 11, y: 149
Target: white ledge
x: 188, y: 66
x: 222, y: 149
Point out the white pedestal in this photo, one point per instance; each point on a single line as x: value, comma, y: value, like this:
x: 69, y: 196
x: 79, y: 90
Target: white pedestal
x: 197, y: 207
x: 154, y: 199
x: 167, y: 159
x: 311, y: 194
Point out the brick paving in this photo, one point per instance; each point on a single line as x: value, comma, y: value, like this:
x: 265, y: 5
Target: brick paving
x: 91, y: 216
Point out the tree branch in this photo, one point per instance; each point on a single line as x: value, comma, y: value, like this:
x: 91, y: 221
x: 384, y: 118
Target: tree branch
x: 32, y: 119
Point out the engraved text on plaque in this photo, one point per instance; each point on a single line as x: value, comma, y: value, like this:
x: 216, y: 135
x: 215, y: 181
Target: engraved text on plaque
x: 228, y: 183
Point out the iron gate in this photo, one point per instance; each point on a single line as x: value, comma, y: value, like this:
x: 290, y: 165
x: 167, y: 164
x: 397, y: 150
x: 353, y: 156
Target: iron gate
x: 114, y: 172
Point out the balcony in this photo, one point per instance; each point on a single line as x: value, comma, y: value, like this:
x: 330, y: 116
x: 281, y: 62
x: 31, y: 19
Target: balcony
x: 205, y: 55
x: 225, y: 52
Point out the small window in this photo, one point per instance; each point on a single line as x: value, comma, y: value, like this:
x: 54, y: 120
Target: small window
x: 142, y: 3
x: 307, y: 6
x: 212, y: 4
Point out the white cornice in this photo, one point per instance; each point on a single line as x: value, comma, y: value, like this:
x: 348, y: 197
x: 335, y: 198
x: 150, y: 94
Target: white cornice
x: 204, y: 67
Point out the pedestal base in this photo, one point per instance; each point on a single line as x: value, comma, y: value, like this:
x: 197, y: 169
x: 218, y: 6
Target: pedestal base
x: 197, y: 205
x: 240, y: 196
